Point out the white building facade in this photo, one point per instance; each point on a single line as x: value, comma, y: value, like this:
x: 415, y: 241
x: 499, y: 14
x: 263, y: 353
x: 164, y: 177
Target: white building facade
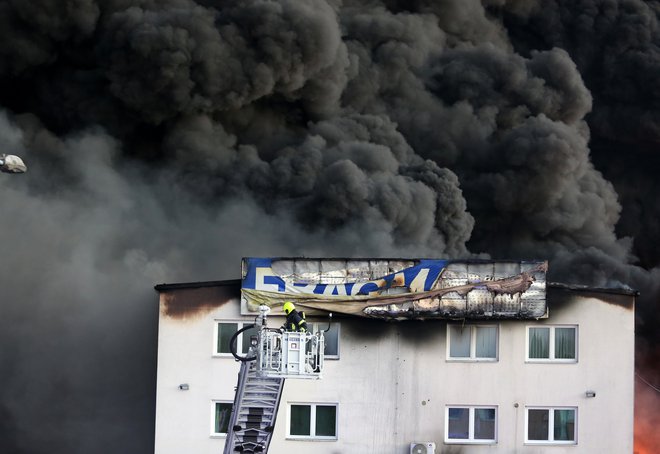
x: 556, y: 384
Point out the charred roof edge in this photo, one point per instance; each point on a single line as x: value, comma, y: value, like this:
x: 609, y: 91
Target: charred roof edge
x: 223, y: 283
x: 557, y: 285
x: 586, y: 288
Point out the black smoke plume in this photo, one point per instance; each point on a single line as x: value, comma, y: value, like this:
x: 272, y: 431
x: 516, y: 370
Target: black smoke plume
x: 166, y: 139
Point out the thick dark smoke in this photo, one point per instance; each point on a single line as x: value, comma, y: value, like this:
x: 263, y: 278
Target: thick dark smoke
x: 165, y: 139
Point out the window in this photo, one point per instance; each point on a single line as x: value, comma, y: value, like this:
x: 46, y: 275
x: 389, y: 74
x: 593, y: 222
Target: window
x: 551, y: 425
x: 221, y: 416
x: 312, y: 421
x: 331, y: 338
x: 225, y: 330
x: 552, y: 343
x: 472, y: 342
x: 470, y: 424
x: 223, y: 333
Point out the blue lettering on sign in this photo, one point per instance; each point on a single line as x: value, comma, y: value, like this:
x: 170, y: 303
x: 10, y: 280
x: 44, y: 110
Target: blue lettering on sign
x: 368, y: 288
x: 260, y: 276
x: 274, y: 280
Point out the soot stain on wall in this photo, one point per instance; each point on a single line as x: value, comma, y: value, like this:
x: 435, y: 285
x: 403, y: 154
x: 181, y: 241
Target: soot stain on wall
x: 194, y: 302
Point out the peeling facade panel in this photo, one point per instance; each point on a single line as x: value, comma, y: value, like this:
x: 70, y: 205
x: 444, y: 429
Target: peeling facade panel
x: 398, y: 289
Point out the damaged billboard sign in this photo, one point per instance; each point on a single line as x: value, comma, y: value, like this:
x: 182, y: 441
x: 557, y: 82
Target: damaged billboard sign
x: 398, y: 288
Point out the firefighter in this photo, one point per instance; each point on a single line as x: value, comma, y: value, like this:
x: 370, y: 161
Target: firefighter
x: 295, y: 321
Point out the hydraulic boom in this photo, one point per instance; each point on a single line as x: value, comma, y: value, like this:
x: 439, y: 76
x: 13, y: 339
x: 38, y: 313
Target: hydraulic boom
x: 274, y: 355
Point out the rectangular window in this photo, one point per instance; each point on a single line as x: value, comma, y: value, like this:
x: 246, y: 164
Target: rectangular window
x: 551, y: 425
x: 312, y: 421
x: 471, y: 424
x: 331, y: 338
x: 221, y: 415
x: 552, y: 343
x: 223, y: 333
x: 472, y: 342
x: 225, y: 330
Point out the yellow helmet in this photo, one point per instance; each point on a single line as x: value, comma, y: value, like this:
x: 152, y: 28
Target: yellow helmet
x: 288, y: 307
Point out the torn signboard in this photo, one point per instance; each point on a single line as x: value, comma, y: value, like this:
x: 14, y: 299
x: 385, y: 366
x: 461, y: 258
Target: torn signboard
x: 398, y: 288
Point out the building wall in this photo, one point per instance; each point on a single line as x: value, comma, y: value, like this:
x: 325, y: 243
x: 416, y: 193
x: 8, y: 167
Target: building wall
x: 185, y: 356
x: 393, y: 381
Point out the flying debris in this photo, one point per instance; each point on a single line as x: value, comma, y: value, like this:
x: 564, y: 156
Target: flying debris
x: 10, y: 163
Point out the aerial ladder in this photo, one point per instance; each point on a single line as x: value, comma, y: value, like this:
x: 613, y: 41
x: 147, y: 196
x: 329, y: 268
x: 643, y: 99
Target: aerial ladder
x: 274, y: 355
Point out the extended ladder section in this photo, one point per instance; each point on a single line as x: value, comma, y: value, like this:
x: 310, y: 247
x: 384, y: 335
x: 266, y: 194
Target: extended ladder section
x: 254, y: 411
x: 274, y: 356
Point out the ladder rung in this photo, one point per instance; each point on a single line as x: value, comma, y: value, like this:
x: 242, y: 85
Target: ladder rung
x: 253, y: 420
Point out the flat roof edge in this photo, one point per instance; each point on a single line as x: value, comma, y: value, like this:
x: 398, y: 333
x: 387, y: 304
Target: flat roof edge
x: 184, y: 285
x: 556, y: 285
x: 586, y: 288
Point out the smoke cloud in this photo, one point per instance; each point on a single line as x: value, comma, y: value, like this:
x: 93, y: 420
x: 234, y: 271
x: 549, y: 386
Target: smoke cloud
x: 165, y: 140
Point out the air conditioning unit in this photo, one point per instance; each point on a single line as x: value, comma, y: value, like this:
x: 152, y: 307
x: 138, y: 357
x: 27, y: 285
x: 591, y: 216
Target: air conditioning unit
x: 422, y: 447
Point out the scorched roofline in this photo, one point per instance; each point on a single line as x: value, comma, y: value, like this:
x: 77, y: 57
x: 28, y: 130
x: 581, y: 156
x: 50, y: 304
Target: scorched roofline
x: 556, y: 285
x: 184, y: 285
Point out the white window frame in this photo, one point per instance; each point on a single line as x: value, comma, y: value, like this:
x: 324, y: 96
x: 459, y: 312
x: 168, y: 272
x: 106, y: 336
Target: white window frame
x: 239, y: 340
x: 321, y: 326
x: 215, y: 434
x: 312, y: 422
x: 470, y: 440
x: 473, y: 343
x: 551, y: 427
x: 551, y: 343
x: 314, y: 326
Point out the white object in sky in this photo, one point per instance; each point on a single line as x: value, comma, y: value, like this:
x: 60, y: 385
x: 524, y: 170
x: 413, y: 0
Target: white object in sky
x: 10, y: 163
